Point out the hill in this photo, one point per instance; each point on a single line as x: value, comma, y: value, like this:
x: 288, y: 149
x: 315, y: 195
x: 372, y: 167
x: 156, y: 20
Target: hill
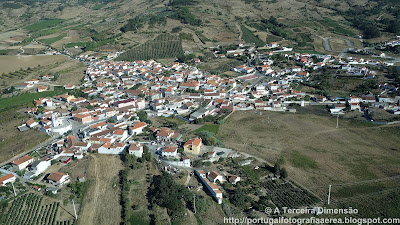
x: 116, y: 25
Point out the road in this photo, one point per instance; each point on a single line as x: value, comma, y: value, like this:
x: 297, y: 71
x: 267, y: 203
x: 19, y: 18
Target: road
x: 75, y: 129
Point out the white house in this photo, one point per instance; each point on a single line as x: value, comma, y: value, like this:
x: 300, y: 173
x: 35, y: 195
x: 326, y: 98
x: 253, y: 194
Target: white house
x: 58, y: 179
x: 213, y: 176
x: 215, y: 192
x: 136, y: 149
x: 31, y: 123
x: 353, y: 99
x: 115, y: 149
x: 22, y: 162
x: 40, y: 166
x: 234, y: 179
x: 9, y: 178
x: 137, y: 128
x: 169, y: 151
x: 120, y: 134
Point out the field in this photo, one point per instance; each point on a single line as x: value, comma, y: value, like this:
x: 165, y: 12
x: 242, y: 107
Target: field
x: 31, y: 208
x: 338, y: 44
x: 70, y: 71
x: 43, y: 24
x: 26, y: 98
x: 12, y: 141
x: 164, y: 46
x: 53, y: 39
x: 213, y: 128
x: 13, y: 63
x: 101, y: 204
x: 317, y: 154
x: 249, y: 37
x: 140, y: 180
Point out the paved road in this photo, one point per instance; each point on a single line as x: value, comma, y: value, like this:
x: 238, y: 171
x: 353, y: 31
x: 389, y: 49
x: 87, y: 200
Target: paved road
x: 75, y: 129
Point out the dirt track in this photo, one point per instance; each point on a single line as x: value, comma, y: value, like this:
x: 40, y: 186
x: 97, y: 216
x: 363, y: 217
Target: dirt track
x: 101, y: 204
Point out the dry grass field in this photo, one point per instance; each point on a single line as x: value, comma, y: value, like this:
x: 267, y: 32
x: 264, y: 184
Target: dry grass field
x: 13, y: 63
x: 101, y: 204
x: 71, y: 72
x: 12, y: 141
x: 338, y: 44
x: 315, y: 152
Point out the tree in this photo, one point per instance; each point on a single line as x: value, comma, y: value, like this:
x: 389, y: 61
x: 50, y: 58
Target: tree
x: 210, y: 141
x: 165, y: 192
x: 111, y: 120
x: 277, y: 168
x: 284, y: 173
x: 239, y: 197
x: 142, y: 115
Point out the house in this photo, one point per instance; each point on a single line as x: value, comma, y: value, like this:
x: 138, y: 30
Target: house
x: 83, y: 118
x: 193, y: 146
x: 215, y: 192
x: 120, y: 134
x: 166, y: 134
x: 36, y: 188
x: 40, y: 166
x: 58, y: 179
x: 214, y: 176
x: 353, y: 99
x: 48, y: 77
x: 355, y: 106
x: 234, y: 179
x: 169, y: 151
x: 137, y: 128
x: 191, y: 85
x: 81, y: 178
x: 31, y: 123
x: 52, y: 190
x: 136, y: 149
x: 42, y: 88
x: 22, y: 162
x: 9, y: 178
x: 108, y: 148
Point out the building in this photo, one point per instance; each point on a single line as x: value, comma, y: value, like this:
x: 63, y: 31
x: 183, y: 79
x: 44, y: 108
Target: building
x: 138, y: 128
x: 136, y: 149
x: 31, y: 123
x: 115, y: 149
x: 83, y: 118
x: 214, y: 176
x: 215, y: 192
x: 234, y: 179
x: 22, y: 162
x: 193, y: 146
x: 169, y: 151
x: 40, y: 166
x: 58, y: 179
x: 9, y: 178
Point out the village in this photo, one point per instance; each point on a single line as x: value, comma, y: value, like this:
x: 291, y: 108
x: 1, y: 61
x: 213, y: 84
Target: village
x: 114, y: 110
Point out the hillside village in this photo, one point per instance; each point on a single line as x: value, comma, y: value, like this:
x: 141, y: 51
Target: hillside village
x: 112, y: 111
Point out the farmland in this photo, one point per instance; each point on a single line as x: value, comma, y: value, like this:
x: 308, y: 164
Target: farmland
x: 31, y: 208
x: 213, y: 128
x: 13, y: 63
x: 12, y: 141
x: 314, y: 150
x: 287, y: 195
x: 24, y: 99
x: 249, y: 37
x: 53, y: 39
x: 43, y: 24
x: 163, y: 46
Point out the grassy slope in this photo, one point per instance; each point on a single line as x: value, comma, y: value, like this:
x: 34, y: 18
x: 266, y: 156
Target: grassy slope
x: 316, y: 153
